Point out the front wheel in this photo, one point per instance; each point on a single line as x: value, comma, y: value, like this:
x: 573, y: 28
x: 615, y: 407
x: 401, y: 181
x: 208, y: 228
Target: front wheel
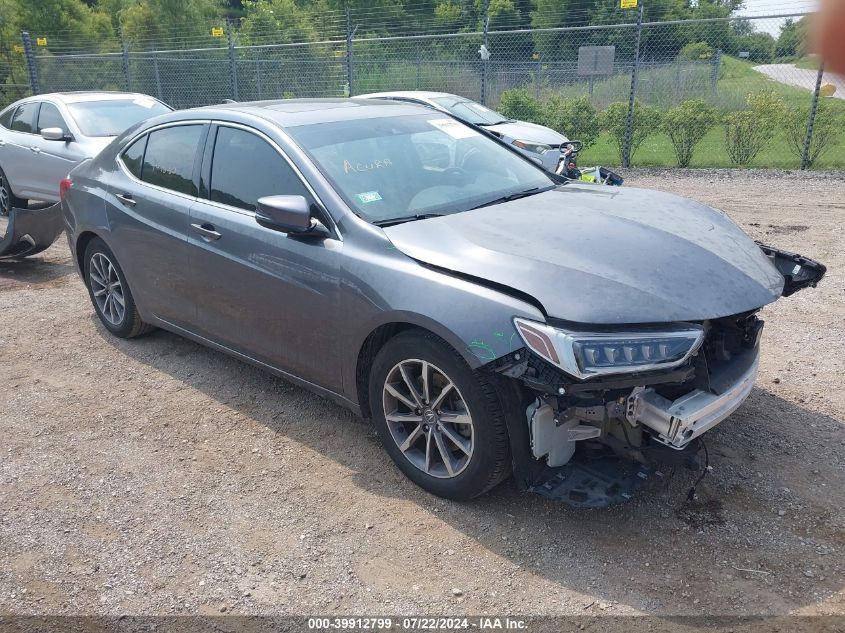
x: 110, y: 293
x: 441, y: 422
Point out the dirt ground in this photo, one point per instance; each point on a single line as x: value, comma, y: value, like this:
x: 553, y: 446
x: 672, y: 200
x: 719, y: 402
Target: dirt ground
x: 155, y: 476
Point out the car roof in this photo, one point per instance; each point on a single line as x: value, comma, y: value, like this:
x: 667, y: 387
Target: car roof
x: 294, y: 112
x: 86, y: 95
x: 411, y: 94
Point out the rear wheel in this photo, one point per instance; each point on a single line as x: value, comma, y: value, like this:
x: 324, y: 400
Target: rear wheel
x: 8, y: 200
x: 441, y: 422
x: 109, y: 292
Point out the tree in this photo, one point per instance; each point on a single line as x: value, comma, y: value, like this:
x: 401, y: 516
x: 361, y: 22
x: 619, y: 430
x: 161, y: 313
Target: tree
x: 576, y: 118
x: 792, y: 40
x: 748, y: 131
x: 685, y: 125
x: 518, y: 104
x: 282, y: 19
x: 826, y: 126
x: 645, y: 122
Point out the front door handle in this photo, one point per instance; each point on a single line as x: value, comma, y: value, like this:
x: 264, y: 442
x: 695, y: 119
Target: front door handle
x: 206, y: 231
x: 126, y: 199
x: 37, y: 150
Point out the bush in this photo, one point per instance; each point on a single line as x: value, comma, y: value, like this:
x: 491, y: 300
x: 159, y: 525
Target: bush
x: 825, y: 129
x: 696, y: 51
x: 646, y: 121
x: 686, y: 125
x: 575, y: 118
x: 749, y: 131
x: 518, y: 104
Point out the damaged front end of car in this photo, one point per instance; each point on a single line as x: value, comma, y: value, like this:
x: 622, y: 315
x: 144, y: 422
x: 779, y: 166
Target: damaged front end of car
x: 608, y: 406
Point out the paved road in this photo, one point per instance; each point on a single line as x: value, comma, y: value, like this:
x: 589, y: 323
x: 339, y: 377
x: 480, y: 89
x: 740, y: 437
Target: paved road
x: 802, y: 77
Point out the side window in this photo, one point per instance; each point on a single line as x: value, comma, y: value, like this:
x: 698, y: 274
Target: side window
x: 133, y: 157
x: 245, y: 168
x: 169, y: 159
x: 24, y: 118
x: 49, y: 116
x: 6, y: 118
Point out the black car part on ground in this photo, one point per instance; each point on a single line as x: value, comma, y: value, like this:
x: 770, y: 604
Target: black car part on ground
x: 31, y: 231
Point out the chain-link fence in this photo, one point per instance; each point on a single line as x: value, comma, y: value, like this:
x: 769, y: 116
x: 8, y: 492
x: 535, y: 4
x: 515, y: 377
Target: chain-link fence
x: 635, y: 86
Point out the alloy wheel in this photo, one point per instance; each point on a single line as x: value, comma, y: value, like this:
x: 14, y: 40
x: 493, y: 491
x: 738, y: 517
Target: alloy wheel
x: 107, y: 289
x: 428, y: 418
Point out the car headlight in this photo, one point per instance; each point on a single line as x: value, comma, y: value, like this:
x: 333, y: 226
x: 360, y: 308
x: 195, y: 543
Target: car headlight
x: 588, y: 354
x: 531, y: 146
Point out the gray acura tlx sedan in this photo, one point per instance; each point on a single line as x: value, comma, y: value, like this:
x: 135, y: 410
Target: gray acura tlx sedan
x: 489, y: 317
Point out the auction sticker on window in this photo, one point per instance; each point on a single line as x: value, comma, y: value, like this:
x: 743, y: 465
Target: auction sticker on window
x: 144, y: 102
x: 453, y: 128
x: 368, y: 196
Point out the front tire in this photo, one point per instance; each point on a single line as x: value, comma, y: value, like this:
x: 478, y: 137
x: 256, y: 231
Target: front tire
x: 440, y: 422
x: 8, y: 200
x: 109, y: 292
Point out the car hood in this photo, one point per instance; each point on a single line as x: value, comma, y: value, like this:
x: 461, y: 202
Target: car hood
x: 95, y: 144
x: 601, y: 255
x: 524, y: 131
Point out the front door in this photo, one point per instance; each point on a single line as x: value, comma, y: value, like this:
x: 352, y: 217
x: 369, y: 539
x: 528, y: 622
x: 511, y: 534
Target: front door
x: 259, y: 291
x: 56, y: 158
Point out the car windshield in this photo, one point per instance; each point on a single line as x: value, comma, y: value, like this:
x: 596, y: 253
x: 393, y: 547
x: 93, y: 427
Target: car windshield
x: 470, y: 111
x: 403, y: 167
x: 111, y: 117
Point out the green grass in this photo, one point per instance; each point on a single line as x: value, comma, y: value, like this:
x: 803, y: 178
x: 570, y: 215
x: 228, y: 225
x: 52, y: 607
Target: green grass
x: 737, y: 80
x: 657, y: 151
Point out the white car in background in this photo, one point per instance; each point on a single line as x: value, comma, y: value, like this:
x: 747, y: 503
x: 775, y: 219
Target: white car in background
x: 43, y: 137
x: 536, y: 141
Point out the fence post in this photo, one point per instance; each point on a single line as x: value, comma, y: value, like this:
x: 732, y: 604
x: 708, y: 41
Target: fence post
x: 805, y: 155
x: 127, y: 78
x: 258, y: 79
x: 30, y: 62
x: 233, y: 66
x: 157, y: 76
x: 484, y: 62
x: 629, y: 124
x: 715, y: 69
x: 349, y: 35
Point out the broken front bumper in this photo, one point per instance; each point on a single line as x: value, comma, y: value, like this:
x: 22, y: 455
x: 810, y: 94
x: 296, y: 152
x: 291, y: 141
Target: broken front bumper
x: 678, y: 422
x: 31, y: 231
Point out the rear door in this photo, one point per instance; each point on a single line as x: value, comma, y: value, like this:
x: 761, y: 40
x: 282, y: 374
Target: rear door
x: 261, y: 292
x: 21, y: 158
x: 151, y: 198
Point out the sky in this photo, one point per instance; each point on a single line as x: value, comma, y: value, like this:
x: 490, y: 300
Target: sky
x: 775, y: 7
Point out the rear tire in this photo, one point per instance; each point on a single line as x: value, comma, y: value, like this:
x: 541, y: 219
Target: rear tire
x: 440, y: 422
x: 8, y: 200
x: 109, y: 292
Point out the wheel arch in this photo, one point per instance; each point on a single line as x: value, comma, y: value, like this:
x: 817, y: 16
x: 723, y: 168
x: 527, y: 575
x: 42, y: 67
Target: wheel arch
x: 82, y: 241
x: 381, y: 334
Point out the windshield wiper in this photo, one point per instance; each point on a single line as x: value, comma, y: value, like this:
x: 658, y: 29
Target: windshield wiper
x: 514, y: 196
x: 406, y: 218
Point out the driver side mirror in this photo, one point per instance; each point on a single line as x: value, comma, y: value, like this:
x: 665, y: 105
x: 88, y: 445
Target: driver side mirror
x: 55, y: 134
x: 288, y: 214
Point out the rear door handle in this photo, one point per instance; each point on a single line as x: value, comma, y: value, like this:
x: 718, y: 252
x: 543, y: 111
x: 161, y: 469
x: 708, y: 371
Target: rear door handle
x: 206, y: 231
x: 126, y: 199
x: 37, y: 150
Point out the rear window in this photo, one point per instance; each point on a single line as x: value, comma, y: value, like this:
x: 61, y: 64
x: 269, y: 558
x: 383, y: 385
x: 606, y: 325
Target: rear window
x: 113, y: 117
x: 169, y: 159
x: 23, y: 119
x: 6, y: 118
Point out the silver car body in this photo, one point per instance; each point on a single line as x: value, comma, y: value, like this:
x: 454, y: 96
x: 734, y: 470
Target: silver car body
x: 33, y: 165
x: 509, y: 130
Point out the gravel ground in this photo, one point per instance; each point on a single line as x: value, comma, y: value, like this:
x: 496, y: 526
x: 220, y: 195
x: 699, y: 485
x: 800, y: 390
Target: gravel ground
x: 155, y: 476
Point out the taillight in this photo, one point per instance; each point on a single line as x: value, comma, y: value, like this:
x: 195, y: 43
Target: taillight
x: 64, y: 185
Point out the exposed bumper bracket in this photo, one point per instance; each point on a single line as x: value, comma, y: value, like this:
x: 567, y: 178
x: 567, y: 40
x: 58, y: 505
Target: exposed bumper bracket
x: 678, y: 422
